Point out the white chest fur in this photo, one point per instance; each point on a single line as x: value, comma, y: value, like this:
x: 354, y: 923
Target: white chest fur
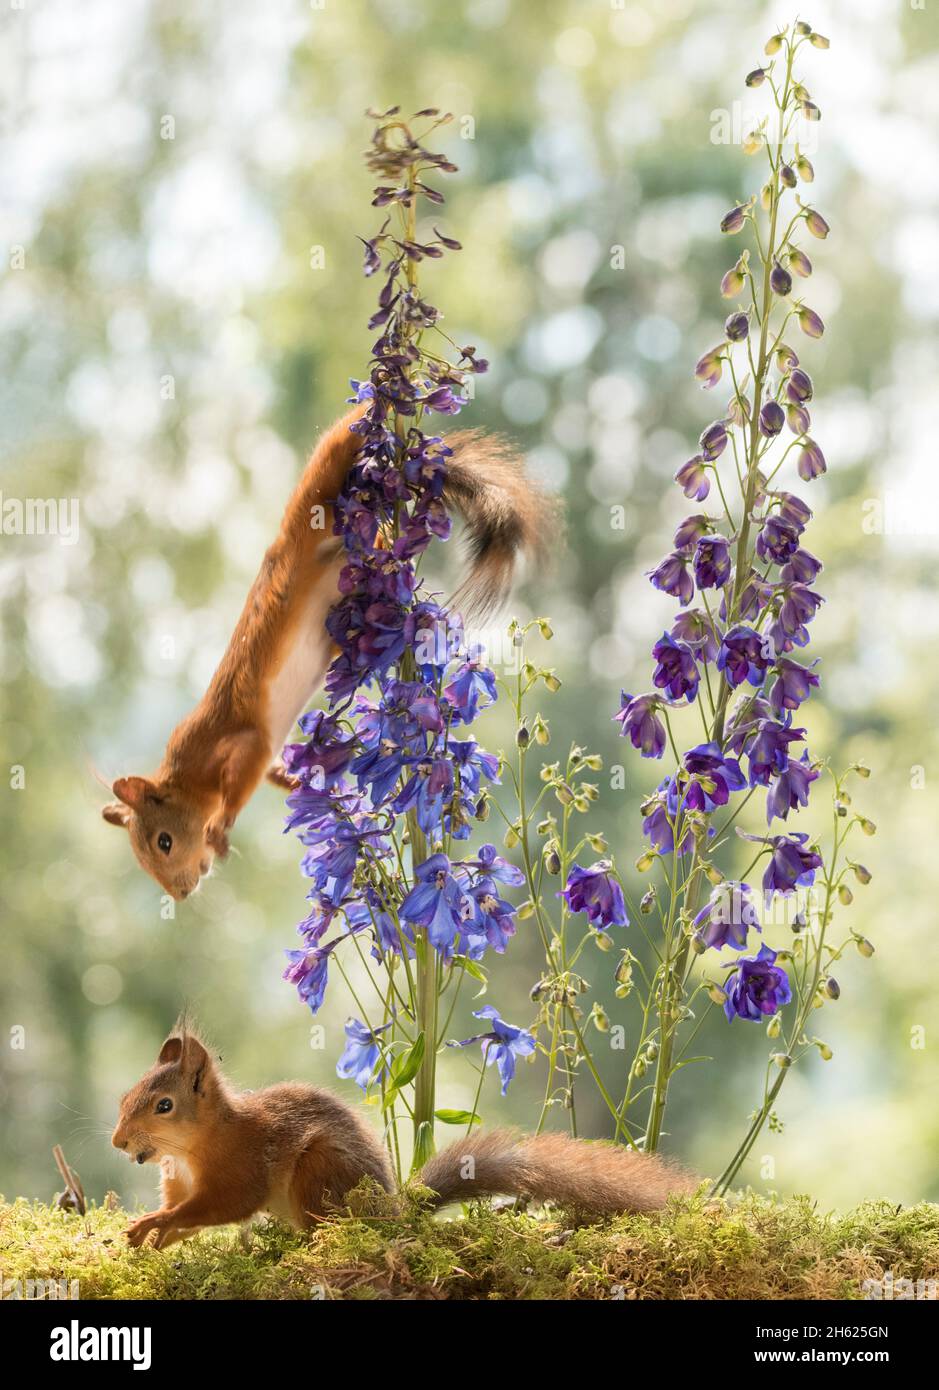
x: 304, y: 662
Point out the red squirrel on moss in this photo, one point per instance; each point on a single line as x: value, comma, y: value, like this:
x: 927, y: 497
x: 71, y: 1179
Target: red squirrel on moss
x: 295, y: 1151
x: 178, y: 820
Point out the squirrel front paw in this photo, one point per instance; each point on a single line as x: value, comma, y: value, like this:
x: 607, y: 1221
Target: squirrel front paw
x: 138, y: 1231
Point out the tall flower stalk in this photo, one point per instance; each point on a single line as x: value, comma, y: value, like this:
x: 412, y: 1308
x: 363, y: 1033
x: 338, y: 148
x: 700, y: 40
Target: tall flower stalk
x: 390, y: 780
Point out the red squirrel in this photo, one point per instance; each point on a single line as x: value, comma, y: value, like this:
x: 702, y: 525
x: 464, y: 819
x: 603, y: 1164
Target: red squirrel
x: 178, y: 819
x: 295, y: 1151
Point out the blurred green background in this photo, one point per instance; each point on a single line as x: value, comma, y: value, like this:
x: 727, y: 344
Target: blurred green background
x: 182, y: 306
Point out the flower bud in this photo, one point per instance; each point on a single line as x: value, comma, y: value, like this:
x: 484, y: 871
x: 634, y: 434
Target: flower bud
x: 816, y: 224
x: 786, y: 359
x: 717, y: 995
x: 861, y: 769
x: 598, y: 843
x: 799, y: 386
x: 564, y: 793
x: 772, y: 419
x: 737, y: 327
x: 811, y: 461
x: 599, y: 1019
x: 799, y: 922
x: 800, y: 263
x: 819, y: 41
x: 805, y: 169
x: 766, y: 197
x: 756, y: 78
x: 639, y: 1067
x: 754, y: 142
x: 647, y: 901
x: 552, y: 860
x: 780, y: 280
x: 645, y: 861
x: 551, y: 681
x: 541, y: 732
x: 825, y: 1052
x: 713, y: 874
x: 862, y: 874
x: 788, y: 176
x: 603, y: 941
x: 773, y: 45
x: 525, y: 910
x: 774, y: 1027
x: 864, y: 946
x: 733, y: 221
x: 810, y: 111
x: 482, y: 811
x: 831, y: 988
x: 522, y: 736
x: 624, y: 971
x: 698, y: 944
x: 868, y: 826
x: 810, y: 323
x: 545, y: 628
x: 798, y: 419
x: 732, y: 283
x: 708, y: 369
x: 510, y: 838
x: 845, y: 896
x: 782, y: 1060
x: 803, y: 29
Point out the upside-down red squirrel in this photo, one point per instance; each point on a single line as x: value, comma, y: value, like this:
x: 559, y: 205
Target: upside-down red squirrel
x: 295, y: 1151
x: 178, y: 819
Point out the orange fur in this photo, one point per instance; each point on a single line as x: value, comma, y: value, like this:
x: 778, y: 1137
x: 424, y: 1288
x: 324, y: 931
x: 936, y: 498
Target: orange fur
x: 179, y: 819
x: 295, y: 1151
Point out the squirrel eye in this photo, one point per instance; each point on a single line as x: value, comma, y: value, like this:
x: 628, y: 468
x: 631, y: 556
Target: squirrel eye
x: 165, y: 842
x: 164, y: 1106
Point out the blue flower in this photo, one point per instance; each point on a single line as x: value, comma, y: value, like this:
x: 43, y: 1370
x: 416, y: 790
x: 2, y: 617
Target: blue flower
x: 502, y: 1045
x: 757, y: 987
x: 638, y: 719
x: 437, y: 902
x: 596, y: 892
x: 727, y: 916
x: 361, y: 1054
x: 471, y: 682
x: 676, y: 671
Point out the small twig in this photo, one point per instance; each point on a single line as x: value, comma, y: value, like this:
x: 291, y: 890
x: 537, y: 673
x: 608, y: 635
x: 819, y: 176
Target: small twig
x: 74, y: 1191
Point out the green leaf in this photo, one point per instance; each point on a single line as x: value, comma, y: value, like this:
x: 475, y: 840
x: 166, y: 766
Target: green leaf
x: 406, y: 1066
x: 423, y: 1145
x: 457, y: 1117
x: 477, y: 973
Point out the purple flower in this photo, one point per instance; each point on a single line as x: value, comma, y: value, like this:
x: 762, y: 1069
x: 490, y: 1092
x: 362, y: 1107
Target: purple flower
x: 638, y: 718
x: 810, y: 323
x: 767, y: 745
x: 660, y: 814
x: 798, y: 419
x: 695, y: 628
x: 791, y: 865
x: 437, y: 902
x: 471, y: 682
x: 743, y: 656
x: 672, y: 577
x: 794, y: 683
x: 693, y: 480
x: 777, y: 539
x: 596, y: 892
x: 361, y: 1054
x: 689, y: 530
x: 712, y: 563
x: 802, y: 567
x: 491, y: 920
x: 713, y: 777
x: 737, y: 326
x: 727, y: 916
x: 676, y: 671
x: 502, y: 1045
x: 790, y: 789
x: 733, y: 221
x: 757, y: 987
x: 490, y: 863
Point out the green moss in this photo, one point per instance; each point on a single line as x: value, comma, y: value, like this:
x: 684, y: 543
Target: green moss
x: 752, y: 1248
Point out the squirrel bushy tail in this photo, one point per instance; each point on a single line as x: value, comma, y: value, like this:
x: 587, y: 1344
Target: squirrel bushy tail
x: 505, y: 513
x: 598, y: 1177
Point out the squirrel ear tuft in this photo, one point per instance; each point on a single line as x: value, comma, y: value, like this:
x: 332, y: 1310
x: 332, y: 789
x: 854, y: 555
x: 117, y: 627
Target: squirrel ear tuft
x: 133, y: 791
x: 115, y: 813
x: 171, y: 1051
